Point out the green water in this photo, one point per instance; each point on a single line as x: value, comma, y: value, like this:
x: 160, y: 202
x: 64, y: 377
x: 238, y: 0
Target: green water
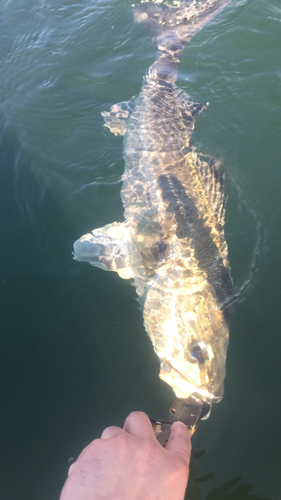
x: 74, y: 356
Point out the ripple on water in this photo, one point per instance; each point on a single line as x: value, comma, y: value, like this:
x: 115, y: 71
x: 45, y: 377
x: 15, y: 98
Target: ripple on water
x: 246, y: 239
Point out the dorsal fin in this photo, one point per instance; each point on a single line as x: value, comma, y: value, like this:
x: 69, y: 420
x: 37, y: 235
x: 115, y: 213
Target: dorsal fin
x: 212, y: 179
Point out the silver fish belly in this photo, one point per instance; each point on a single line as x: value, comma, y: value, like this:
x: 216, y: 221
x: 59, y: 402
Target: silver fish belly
x: 171, y: 242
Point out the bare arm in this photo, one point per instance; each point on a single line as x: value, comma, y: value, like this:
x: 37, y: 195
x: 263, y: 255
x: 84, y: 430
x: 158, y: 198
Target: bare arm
x: 130, y: 464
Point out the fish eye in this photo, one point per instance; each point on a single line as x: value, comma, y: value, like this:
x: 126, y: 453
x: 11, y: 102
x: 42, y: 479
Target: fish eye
x: 198, y: 352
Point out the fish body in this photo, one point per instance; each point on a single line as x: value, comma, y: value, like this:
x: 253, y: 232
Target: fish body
x: 171, y: 242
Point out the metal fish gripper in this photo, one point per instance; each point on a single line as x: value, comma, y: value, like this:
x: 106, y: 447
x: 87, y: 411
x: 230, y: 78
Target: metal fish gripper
x: 182, y: 411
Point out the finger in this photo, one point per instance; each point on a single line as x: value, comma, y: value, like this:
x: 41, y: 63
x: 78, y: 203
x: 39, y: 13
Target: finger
x: 179, y: 440
x: 138, y: 424
x: 111, y: 432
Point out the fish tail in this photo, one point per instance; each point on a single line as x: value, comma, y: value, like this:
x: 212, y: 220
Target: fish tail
x: 171, y: 28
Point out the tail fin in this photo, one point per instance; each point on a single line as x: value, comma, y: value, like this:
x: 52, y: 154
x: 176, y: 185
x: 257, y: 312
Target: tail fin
x: 171, y: 28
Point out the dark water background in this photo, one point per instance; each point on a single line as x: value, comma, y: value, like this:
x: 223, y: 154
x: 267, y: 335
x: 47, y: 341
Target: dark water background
x: 74, y: 356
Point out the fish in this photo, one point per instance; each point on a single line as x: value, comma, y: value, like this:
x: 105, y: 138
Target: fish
x: 171, y: 243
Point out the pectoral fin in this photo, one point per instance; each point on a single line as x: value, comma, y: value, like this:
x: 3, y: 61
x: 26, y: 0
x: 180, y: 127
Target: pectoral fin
x: 107, y: 248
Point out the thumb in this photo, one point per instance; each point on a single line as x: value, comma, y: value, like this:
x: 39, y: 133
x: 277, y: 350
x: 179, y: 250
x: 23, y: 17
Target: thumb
x: 179, y: 441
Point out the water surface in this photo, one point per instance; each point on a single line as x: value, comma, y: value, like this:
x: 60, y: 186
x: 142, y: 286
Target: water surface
x: 74, y: 354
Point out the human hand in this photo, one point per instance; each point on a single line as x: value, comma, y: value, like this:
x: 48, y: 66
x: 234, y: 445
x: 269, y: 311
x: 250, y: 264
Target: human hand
x: 130, y: 464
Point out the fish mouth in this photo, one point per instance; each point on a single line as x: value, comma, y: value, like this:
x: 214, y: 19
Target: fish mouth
x: 183, y: 388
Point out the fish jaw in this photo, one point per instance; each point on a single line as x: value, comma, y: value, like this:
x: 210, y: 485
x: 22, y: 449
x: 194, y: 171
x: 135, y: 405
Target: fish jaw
x: 183, y: 388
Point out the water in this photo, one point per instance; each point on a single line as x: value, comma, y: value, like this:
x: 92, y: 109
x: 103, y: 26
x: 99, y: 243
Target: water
x: 74, y: 354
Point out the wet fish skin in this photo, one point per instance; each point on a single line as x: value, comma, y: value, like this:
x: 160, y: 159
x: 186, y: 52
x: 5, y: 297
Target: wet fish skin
x: 172, y: 240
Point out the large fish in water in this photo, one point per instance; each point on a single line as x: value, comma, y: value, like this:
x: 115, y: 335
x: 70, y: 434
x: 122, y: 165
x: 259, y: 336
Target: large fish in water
x: 172, y: 240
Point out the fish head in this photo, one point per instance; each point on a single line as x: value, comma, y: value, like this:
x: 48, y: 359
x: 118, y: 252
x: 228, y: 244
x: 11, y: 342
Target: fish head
x: 190, y: 336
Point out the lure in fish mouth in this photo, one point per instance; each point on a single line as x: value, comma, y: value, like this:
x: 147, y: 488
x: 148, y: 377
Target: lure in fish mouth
x: 171, y: 242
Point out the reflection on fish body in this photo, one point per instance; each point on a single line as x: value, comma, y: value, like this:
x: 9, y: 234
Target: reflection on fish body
x: 172, y: 240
